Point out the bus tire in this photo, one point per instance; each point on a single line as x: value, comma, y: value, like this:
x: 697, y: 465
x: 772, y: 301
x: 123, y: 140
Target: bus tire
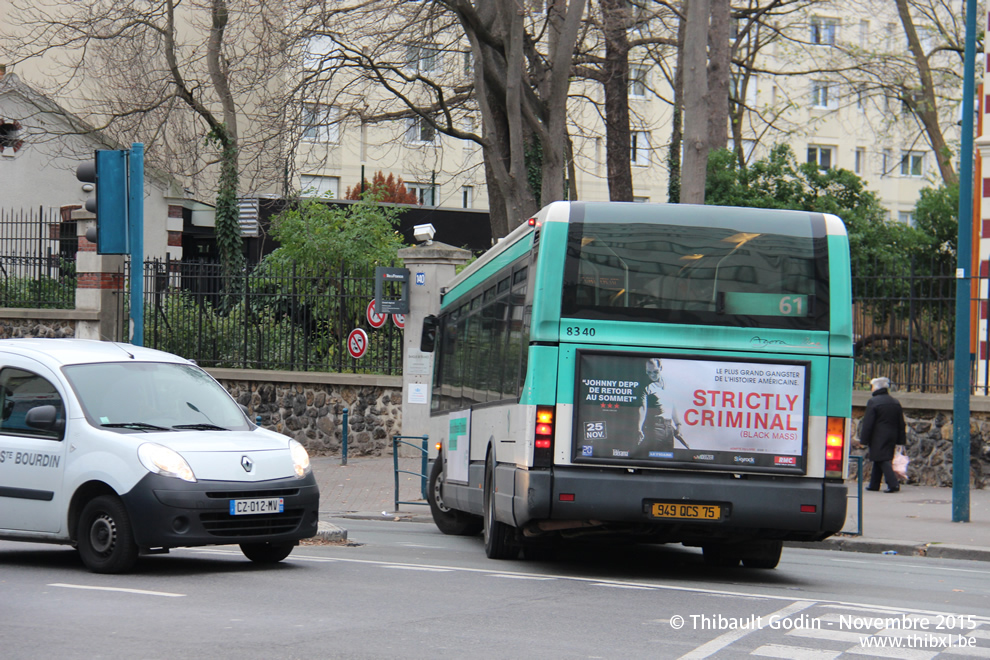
x: 105, y: 537
x: 499, y: 537
x: 764, y: 554
x: 721, y: 555
x: 449, y: 521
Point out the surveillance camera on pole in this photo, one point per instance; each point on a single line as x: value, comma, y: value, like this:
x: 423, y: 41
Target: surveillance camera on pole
x: 424, y: 233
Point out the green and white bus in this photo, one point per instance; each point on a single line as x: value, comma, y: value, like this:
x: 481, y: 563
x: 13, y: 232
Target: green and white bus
x: 671, y: 373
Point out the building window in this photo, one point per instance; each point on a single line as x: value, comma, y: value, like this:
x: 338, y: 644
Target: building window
x: 821, y: 156
x: 748, y: 146
x: 746, y: 96
x: 319, y: 53
x: 424, y: 193
x: 637, y: 81
x: 913, y: 163
x: 860, y: 160
x: 639, y: 142
x: 906, y: 217
x: 320, y: 186
x: 320, y: 123
x: 641, y: 200
x: 10, y: 140
x: 420, y: 131
x: 422, y: 58
x: 823, y: 30
x: 823, y: 94
x: 885, y: 162
x: 467, y: 197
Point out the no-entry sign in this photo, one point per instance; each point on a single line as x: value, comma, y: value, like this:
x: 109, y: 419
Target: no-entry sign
x: 375, y: 320
x: 357, y: 343
x: 399, y: 320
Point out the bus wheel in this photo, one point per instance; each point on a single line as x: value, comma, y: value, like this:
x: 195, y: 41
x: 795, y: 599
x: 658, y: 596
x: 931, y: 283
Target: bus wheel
x: 449, y: 521
x: 499, y: 537
x: 105, y: 538
x: 720, y: 554
x: 765, y: 554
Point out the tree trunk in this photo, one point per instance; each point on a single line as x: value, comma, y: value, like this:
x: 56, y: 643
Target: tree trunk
x: 718, y: 75
x: 616, y: 86
x: 696, y: 103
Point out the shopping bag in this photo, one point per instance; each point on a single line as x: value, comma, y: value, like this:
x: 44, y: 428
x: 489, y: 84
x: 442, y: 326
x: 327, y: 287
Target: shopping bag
x: 900, y: 464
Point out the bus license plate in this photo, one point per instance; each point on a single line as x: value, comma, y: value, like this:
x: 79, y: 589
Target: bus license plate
x: 253, y: 507
x: 685, y: 511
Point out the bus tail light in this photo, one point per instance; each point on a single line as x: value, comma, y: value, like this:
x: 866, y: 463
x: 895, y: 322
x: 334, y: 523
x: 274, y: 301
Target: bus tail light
x: 835, y: 440
x: 543, y: 442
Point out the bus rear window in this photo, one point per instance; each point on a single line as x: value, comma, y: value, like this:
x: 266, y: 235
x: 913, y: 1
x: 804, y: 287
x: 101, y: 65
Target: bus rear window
x: 758, y: 273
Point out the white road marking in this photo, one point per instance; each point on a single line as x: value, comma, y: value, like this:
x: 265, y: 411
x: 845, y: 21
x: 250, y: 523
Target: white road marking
x: 425, y: 569
x: 142, y: 592
x: 711, y: 648
x: 794, y: 652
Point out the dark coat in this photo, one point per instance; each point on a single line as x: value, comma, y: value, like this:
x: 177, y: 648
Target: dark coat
x: 882, y: 426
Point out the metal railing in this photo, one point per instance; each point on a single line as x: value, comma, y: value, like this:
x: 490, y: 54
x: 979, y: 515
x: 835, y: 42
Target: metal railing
x: 267, y: 317
x: 424, y: 449
x: 903, y: 325
x: 37, y: 259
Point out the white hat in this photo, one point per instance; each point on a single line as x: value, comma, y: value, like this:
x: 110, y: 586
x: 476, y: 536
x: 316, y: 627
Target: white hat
x: 879, y: 383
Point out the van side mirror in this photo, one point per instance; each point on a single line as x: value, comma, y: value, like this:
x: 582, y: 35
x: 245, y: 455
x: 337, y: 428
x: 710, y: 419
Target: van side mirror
x: 428, y: 340
x: 44, y: 418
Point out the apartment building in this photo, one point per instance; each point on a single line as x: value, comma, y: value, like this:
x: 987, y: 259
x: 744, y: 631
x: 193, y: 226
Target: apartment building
x: 814, y: 81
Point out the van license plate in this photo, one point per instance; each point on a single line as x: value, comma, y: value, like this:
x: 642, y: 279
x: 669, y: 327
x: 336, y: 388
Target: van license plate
x: 252, y: 507
x: 685, y: 511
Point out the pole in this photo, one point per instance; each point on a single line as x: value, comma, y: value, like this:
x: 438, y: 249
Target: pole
x: 961, y: 385
x: 135, y: 225
x: 343, y: 440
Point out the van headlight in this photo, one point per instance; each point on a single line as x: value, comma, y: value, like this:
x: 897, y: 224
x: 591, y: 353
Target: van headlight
x: 300, y: 458
x: 164, y: 461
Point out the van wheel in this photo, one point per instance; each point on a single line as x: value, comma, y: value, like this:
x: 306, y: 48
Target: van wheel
x: 721, y: 555
x: 267, y: 553
x: 449, y: 521
x: 105, y: 536
x: 765, y: 554
x: 499, y: 537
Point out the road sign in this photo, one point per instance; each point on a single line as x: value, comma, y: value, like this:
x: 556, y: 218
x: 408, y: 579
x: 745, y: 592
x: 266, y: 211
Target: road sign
x: 375, y: 320
x: 399, y: 320
x: 357, y: 343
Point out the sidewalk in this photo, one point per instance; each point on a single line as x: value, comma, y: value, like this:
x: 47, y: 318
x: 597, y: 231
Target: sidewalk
x: 915, y: 521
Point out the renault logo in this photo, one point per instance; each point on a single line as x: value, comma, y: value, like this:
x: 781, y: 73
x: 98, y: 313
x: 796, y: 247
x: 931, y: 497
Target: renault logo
x: 247, y: 464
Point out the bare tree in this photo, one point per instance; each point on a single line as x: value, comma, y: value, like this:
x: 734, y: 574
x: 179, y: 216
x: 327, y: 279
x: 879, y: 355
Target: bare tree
x: 170, y: 75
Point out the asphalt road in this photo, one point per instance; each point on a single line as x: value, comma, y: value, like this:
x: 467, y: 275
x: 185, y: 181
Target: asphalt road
x: 403, y: 590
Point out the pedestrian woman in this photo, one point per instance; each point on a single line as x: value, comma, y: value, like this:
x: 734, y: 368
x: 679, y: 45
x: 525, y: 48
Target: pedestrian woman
x: 881, y: 430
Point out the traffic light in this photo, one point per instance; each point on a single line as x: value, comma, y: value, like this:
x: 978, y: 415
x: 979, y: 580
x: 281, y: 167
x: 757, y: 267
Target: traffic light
x: 108, y: 174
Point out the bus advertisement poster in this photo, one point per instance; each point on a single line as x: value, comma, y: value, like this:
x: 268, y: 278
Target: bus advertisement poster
x: 721, y: 413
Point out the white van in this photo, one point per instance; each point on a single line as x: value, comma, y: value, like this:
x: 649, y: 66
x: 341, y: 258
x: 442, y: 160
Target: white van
x: 121, y: 450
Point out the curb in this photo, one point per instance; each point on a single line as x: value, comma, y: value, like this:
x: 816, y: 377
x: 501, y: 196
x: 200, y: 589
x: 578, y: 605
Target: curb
x: 330, y: 532
x: 907, y: 548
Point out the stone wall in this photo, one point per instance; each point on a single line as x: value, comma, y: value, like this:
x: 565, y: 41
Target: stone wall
x: 309, y: 407
x: 929, y: 439
x: 37, y: 327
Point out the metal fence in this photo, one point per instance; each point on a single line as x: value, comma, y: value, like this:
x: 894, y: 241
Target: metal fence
x: 904, y: 325
x: 37, y: 259
x: 267, y: 317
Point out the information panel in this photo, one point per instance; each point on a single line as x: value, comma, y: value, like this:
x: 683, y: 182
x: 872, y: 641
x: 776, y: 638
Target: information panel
x: 458, y: 449
x: 672, y: 410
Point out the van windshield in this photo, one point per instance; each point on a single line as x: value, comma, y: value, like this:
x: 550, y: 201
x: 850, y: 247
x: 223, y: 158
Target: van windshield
x: 149, y: 396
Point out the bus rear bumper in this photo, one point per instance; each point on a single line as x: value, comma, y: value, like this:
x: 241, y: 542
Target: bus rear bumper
x: 754, y: 506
